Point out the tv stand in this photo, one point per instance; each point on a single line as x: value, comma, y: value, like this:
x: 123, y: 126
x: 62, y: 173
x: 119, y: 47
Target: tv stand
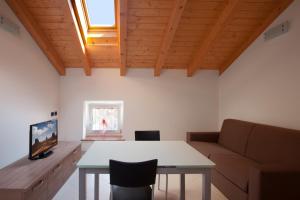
x: 39, y: 179
x: 43, y: 155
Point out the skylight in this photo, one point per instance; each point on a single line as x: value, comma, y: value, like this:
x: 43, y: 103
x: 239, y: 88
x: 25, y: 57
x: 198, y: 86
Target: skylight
x: 101, y: 13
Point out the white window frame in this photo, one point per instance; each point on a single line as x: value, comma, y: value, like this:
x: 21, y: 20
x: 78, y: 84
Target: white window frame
x: 87, y: 118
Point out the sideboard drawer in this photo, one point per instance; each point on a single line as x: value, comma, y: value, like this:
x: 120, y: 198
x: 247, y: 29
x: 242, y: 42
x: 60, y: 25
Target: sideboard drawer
x: 71, y: 161
x: 38, y: 191
x: 55, y: 180
x: 76, y: 154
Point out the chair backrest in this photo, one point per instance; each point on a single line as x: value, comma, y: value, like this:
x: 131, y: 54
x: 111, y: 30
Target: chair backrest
x: 138, y: 174
x: 147, y: 135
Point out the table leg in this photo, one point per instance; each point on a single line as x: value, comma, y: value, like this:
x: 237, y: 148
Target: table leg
x: 158, y: 181
x: 167, y: 182
x: 96, y: 190
x: 182, y: 186
x: 206, y: 185
x: 82, y: 184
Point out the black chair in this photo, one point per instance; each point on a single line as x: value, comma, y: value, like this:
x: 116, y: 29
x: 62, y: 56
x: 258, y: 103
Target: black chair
x: 147, y: 135
x: 132, y: 181
x: 151, y: 136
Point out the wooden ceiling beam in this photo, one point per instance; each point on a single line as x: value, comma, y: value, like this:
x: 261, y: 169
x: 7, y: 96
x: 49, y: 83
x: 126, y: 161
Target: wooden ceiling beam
x: 76, y: 35
x: 169, y: 35
x: 37, y: 34
x: 204, y: 48
x: 122, y: 34
x: 260, y: 29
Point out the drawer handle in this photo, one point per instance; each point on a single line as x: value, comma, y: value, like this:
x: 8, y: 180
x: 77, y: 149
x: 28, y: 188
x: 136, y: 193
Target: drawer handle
x: 57, y: 168
x: 38, y: 185
x: 75, y: 151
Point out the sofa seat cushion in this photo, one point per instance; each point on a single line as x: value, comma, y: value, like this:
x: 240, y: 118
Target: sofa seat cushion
x: 208, y: 148
x: 234, y: 167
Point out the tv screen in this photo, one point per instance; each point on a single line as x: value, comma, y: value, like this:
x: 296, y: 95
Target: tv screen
x: 43, y: 136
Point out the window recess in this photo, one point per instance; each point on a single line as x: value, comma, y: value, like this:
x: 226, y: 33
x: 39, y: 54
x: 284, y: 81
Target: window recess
x: 103, y: 118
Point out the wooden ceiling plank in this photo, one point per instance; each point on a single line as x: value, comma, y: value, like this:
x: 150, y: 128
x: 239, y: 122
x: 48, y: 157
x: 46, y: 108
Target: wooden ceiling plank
x: 36, y: 32
x: 169, y: 35
x: 122, y: 31
x: 73, y: 28
x: 273, y: 15
x: 207, y: 43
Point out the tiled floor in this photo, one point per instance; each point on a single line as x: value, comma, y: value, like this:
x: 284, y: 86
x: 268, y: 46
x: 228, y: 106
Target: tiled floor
x: 193, y: 188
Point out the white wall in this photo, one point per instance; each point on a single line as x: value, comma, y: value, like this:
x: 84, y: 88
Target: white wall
x: 28, y: 90
x: 263, y: 85
x: 172, y: 103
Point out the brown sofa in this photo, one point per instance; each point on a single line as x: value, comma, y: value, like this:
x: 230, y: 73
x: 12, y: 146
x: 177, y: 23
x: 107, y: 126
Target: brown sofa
x: 253, y: 161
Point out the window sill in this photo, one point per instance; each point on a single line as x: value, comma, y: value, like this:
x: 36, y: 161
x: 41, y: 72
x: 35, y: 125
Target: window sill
x: 104, y: 137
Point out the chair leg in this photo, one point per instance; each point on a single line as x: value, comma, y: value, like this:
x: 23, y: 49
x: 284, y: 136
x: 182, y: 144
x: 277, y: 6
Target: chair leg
x: 167, y: 181
x: 158, y: 182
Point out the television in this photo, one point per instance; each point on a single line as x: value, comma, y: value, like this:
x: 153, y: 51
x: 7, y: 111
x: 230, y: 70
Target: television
x: 43, y: 136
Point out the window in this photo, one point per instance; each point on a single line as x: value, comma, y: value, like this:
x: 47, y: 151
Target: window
x: 102, y: 117
x: 96, y: 20
x: 100, y: 13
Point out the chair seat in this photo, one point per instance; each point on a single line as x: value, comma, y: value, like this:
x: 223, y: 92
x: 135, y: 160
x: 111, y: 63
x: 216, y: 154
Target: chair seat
x: 129, y: 193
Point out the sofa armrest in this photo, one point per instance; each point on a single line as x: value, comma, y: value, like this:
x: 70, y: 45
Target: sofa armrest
x: 274, y: 182
x: 202, y: 136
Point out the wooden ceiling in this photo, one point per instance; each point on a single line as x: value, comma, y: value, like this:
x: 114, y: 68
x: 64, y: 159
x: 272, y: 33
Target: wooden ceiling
x: 158, y: 34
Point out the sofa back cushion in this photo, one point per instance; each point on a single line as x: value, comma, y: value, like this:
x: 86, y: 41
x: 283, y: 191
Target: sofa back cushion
x: 234, y: 135
x: 269, y: 144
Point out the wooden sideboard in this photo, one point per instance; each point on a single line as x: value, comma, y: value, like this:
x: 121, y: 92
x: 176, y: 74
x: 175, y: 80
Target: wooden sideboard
x: 39, y: 179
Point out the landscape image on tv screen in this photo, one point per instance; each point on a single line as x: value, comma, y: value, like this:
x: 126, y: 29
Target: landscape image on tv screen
x: 43, y: 137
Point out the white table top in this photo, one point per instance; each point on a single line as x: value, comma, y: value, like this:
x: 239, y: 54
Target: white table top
x: 169, y: 154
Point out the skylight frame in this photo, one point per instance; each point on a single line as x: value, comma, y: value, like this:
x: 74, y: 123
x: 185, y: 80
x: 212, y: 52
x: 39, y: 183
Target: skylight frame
x: 93, y: 28
x: 95, y: 35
